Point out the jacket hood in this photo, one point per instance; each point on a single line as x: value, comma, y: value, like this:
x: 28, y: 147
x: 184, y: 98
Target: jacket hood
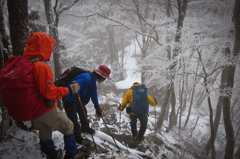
x: 135, y: 85
x: 39, y: 45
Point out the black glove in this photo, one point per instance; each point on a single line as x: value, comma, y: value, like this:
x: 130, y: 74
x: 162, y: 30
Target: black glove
x: 155, y: 101
x: 98, y: 110
x: 128, y: 109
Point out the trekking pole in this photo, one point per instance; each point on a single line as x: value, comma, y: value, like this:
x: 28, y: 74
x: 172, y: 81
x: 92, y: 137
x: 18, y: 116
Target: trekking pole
x: 155, y: 112
x: 155, y: 116
x: 86, y: 120
x: 110, y: 132
x: 120, y: 122
x: 119, y: 126
x: 120, y: 117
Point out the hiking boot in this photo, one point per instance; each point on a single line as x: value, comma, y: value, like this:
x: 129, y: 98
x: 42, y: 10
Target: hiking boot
x: 89, y: 131
x: 59, y: 155
x: 78, y: 156
x: 140, y: 138
x: 83, y: 142
x: 86, y: 142
x: 79, y: 141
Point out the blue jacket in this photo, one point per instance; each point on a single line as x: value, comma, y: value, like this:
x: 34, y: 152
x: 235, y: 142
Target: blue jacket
x: 85, y: 92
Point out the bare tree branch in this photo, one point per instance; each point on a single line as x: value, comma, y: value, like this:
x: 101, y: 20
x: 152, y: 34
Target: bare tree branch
x: 120, y: 23
x: 62, y: 9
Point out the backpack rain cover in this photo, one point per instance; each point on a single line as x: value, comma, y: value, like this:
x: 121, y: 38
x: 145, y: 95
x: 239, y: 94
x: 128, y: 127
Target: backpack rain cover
x: 140, y: 104
x: 18, y: 90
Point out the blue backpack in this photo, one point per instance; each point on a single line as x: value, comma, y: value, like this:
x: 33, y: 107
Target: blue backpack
x: 140, y: 104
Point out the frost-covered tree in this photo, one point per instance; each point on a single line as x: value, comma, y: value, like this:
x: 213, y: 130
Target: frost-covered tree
x: 58, y: 8
x: 177, y: 51
x: 135, y: 16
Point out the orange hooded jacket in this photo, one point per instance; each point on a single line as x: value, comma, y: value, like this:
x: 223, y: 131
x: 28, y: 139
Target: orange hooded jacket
x: 41, y: 45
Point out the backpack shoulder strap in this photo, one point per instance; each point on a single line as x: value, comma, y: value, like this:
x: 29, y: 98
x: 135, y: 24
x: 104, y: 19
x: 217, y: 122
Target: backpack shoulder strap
x: 34, y: 59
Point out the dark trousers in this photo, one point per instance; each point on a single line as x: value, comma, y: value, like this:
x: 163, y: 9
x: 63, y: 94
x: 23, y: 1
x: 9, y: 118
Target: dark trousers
x: 72, y: 110
x: 143, y: 121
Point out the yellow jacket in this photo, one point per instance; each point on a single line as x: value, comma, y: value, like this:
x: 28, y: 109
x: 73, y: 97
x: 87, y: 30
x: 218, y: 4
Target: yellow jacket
x: 128, y: 98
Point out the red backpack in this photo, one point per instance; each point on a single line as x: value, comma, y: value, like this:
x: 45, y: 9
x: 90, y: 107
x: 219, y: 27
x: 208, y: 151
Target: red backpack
x: 18, y: 90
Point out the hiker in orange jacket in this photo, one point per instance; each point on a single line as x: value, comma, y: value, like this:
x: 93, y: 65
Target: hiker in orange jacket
x: 39, y: 49
x: 128, y: 98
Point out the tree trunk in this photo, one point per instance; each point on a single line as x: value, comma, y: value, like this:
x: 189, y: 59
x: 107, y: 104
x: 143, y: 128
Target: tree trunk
x: 182, y: 8
x: 230, y: 72
x: 237, y: 153
x: 49, y: 15
x: 1, y: 53
x: 160, y: 119
x: 211, y: 124
x: 53, y: 32
x: 229, y: 149
x: 172, y: 103
x: 181, y: 91
x: 191, y: 100
x: 172, y: 116
x: 144, y: 50
x: 212, y: 137
x: 1, y: 105
x: 112, y: 48
x: 218, y: 111
x: 5, y: 38
x: 167, y: 112
x: 234, y: 104
x: 194, y: 127
x: 201, y: 97
x: 168, y: 7
x: 18, y: 20
x: 216, y: 124
x: 121, y: 65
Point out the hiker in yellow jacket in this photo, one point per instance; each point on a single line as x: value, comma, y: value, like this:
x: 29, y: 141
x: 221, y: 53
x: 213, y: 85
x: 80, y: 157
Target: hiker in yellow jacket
x: 128, y: 98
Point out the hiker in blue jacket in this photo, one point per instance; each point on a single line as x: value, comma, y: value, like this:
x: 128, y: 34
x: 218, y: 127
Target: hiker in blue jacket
x: 88, y: 90
x: 136, y: 114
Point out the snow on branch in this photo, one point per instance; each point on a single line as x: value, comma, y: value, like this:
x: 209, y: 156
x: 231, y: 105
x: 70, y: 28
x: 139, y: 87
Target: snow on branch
x: 121, y: 24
